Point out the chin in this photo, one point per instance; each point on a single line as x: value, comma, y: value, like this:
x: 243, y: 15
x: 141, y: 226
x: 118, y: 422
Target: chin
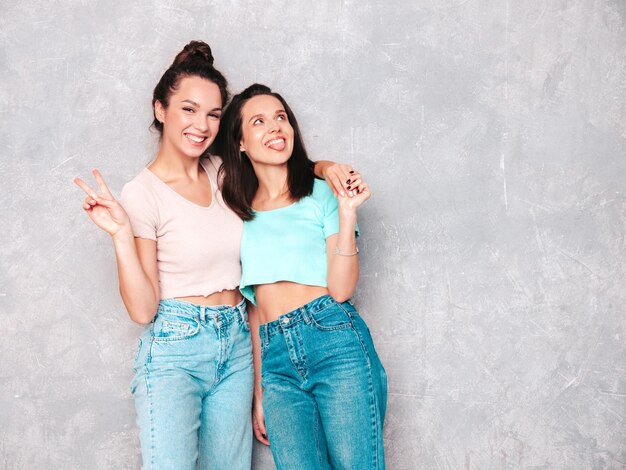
x: 195, y: 153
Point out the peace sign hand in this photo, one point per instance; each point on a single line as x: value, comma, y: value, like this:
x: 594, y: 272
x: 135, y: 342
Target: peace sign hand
x: 103, y: 209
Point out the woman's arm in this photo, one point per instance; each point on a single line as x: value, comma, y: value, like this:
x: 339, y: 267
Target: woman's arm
x: 136, y: 258
x: 341, y: 251
x: 340, y: 177
x: 258, y: 418
x: 138, y: 276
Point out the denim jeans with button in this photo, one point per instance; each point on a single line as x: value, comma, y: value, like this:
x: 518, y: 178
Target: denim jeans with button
x: 193, y: 388
x: 324, y: 389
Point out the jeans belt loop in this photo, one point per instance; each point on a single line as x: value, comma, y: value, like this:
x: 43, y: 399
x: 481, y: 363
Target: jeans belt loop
x: 305, y: 315
x: 242, y: 313
x: 202, y: 313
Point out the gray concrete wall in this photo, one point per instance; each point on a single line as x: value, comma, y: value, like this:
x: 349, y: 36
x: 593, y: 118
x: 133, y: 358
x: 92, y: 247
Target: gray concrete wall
x: 493, y: 135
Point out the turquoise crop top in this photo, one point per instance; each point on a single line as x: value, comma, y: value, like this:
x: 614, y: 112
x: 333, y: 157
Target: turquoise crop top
x: 289, y: 243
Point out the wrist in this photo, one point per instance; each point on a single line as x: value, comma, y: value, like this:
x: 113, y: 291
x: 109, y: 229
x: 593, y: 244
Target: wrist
x: 320, y: 168
x: 123, y: 235
x: 347, y: 212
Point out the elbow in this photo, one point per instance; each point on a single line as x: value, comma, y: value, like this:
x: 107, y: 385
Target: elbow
x: 141, y: 318
x: 141, y: 313
x: 340, y: 295
x: 341, y: 298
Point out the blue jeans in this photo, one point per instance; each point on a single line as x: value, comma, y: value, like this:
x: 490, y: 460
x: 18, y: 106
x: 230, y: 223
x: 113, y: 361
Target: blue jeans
x: 193, y: 388
x: 324, y: 389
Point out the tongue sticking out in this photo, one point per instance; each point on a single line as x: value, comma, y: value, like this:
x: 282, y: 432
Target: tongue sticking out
x: 277, y: 144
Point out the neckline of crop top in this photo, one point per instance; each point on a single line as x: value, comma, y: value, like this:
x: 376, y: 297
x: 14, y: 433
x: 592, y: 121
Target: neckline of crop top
x: 212, y: 183
x: 254, y: 211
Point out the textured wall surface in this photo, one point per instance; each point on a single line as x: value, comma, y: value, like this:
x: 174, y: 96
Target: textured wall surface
x: 493, y: 134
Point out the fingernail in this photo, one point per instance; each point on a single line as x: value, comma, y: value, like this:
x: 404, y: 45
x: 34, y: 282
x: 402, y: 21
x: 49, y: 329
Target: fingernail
x: 351, y: 172
x: 348, y: 187
x: 264, y: 436
x: 348, y: 182
x: 342, y: 194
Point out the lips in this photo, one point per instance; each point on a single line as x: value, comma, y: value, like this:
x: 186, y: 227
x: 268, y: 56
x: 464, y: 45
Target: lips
x: 277, y: 144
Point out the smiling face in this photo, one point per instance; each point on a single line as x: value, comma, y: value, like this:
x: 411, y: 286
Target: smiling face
x: 267, y: 135
x: 191, y: 121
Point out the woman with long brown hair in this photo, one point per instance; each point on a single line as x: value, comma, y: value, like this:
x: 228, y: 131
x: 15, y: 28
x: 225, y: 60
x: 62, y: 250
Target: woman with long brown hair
x: 320, y: 388
x: 177, y: 250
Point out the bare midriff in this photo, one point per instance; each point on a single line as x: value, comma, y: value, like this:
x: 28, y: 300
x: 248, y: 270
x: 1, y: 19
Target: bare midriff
x: 274, y: 300
x: 225, y: 297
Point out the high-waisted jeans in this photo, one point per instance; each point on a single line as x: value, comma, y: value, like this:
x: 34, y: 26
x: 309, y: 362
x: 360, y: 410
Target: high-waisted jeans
x: 193, y: 388
x: 324, y: 389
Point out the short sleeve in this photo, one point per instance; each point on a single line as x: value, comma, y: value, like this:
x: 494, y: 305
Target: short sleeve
x: 330, y: 208
x: 140, y: 206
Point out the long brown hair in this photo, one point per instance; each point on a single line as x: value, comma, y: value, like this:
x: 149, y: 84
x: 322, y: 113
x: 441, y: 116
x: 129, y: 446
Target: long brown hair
x: 240, y: 183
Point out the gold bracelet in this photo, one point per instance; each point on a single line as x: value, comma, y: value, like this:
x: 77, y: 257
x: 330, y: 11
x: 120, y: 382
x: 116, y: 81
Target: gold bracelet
x: 338, y: 252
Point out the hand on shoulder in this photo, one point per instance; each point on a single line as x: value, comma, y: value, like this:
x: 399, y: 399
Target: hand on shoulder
x: 342, y: 178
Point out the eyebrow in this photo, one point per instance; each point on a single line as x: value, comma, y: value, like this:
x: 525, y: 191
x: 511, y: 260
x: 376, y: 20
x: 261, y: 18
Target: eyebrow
x: 197, y: 105
x: 278, y: 111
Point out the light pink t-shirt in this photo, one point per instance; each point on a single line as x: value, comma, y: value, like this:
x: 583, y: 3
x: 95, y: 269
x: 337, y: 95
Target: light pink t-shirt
x: 197, y: 247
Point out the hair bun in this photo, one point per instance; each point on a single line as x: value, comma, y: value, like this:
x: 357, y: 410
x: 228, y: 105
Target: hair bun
x: 195, y: 51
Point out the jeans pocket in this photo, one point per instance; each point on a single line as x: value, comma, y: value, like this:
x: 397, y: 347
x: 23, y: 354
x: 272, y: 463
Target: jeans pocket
x: 171, y: 327
x: 333, y: 317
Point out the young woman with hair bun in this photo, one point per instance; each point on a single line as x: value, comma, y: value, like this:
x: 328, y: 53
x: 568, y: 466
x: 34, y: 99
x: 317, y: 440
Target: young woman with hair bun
x: 320, y: 389
x: 177, y: 248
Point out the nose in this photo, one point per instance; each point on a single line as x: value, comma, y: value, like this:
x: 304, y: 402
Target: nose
x: 201, y: 122
x: 274, y: 126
